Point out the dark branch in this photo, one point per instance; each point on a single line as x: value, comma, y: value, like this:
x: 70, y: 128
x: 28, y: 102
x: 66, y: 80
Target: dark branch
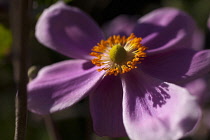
x: 19, y: 22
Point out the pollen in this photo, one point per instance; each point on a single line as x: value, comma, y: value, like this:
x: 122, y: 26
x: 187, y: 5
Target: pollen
x: 118, y: 54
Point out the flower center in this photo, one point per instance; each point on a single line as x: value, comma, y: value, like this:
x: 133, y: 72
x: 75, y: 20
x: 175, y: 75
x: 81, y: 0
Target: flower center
x: 118, y: 55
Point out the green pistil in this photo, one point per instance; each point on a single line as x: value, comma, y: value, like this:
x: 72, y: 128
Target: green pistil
x: 117, y: 54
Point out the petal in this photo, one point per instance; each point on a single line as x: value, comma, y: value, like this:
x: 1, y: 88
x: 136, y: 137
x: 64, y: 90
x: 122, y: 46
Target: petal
x: 198, y: 40
x: 61, y: 85
x: 68, y: 31
x: 106, y: 108
x: 121, y: 25
x: 153, y: 109
x: 165, y: 29
x: 179, y: 66
x: 199, y: 89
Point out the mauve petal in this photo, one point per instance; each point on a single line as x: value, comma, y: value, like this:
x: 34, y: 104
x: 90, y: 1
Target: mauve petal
x: 60, y: 85
x: 121, y: 25
x: 68, y: 31
x: 106, y: 108
x: 178, y: 66
x: 198, y: 88
x: 153, y: 109
x: 198, y: 40
x: 165, y: 29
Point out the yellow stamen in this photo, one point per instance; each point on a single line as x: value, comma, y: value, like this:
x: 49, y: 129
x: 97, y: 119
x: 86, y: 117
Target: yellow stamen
x: 118, y: 55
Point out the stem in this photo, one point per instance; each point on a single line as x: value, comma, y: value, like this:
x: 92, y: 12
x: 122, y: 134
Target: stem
x: 20, y: 30
x: 51, y: 128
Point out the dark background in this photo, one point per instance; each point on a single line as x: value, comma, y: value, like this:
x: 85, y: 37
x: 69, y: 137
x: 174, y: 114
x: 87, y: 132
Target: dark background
x: 75, y: 123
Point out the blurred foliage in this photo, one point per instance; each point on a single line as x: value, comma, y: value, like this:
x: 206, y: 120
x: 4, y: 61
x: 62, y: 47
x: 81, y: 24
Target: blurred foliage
x: 7, y: 90
x: 74, y: 123
x: 198, y: 9
x: 45, y: 2
x: 49, y: 2
x: 5, y: 41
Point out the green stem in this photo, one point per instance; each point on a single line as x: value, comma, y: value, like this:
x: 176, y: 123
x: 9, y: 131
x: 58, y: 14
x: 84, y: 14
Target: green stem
x: 51, y: 128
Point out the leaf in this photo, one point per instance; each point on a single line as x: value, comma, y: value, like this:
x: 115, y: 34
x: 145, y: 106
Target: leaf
x: 5, y: 40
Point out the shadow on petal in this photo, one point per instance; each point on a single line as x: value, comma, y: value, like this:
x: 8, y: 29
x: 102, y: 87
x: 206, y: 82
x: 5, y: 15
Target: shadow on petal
x: 159, y: 95
x: 165, y: 29
x: 154, y: 109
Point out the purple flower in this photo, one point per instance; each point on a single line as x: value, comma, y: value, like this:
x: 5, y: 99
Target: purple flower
x: 199, y: 87
x: 130, y: 79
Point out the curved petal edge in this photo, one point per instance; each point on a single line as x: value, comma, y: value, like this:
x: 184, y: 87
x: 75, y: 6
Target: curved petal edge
x: 60, y: 85
x: 153, y: 109
x: 68, y: 30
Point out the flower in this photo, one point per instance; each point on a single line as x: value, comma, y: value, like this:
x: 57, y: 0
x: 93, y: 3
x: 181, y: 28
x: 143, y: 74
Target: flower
x: 131, y: 80
x: 199, y: 87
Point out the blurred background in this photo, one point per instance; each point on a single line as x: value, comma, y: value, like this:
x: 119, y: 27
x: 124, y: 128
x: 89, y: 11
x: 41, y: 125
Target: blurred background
x: 75, y: 123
